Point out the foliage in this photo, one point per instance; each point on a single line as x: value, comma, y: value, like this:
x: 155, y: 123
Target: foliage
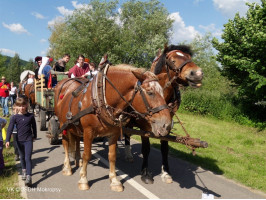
x: 216, y: 96
x: 12, y: 67
x: 2, y: 64
x: 243, y: 58
x: 129, y: 35
x: 14, y: 70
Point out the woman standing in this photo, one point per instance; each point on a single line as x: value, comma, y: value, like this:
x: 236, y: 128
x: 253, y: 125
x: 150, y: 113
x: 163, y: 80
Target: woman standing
x: 13, y: 93
x: 26, y: 134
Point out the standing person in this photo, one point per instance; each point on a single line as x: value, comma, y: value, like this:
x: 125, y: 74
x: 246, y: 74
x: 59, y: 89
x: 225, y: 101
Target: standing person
x: 38, y: 61
x: 2, y: 163
x: 13, y: 93
x: 60, y: 65
x: 80, y: 69
x: 27, y: 133
x: 4, y: 94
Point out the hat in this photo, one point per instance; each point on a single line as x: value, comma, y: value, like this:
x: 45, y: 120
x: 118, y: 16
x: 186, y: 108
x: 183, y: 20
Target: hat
x: 51, y: 59
x: 38, y: 58
x: 86, y: 60
x: 3, y: 77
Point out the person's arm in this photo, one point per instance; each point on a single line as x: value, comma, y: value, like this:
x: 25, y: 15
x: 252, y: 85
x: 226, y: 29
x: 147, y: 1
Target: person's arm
x: 34, y: 127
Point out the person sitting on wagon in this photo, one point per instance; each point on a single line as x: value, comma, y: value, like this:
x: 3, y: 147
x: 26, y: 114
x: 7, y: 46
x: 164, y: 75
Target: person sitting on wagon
x: 60, y: 65
x: 45, y: 69
x: 38, y: 61
x: 80, y: 69
x: 90, y: 74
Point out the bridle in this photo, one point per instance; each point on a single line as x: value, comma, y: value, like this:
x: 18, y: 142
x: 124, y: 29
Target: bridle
x: 170, y: 65
x: 138, y: 88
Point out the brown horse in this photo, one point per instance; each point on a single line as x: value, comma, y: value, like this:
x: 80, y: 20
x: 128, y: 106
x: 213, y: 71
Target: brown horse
x: 30, y: 94
x: 173, y: 68
x: 127, y: 92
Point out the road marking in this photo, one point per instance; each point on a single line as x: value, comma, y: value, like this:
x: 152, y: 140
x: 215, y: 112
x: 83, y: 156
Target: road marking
x: 128, y: 179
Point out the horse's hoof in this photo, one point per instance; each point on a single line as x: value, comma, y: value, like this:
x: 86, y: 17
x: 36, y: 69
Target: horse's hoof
x: 146, y: 176
x: 83, y: 186
x: 167, y: 178
x: 117, y: 188
x: 67, y: 172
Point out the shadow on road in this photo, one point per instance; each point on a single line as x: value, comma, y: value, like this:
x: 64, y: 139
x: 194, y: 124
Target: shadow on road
x: 182, y: 172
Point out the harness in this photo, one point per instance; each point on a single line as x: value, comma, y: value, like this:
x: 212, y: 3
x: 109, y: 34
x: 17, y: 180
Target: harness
x: 100, y: 107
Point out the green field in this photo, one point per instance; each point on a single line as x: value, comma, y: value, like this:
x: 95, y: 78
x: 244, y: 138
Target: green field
x: 235, y: 151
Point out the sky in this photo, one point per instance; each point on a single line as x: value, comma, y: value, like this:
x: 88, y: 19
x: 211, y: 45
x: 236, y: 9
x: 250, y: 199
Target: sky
x: 24, y: 23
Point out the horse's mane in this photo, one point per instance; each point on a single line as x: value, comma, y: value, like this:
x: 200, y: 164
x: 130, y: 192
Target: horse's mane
x: 161, y: 62
x: 128, y: 68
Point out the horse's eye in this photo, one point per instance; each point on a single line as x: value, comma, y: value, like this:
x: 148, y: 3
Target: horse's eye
x: 149, y: 93
x: 173, y: 61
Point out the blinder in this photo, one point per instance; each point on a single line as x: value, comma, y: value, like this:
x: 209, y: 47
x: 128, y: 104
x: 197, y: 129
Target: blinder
x: 150, y: 111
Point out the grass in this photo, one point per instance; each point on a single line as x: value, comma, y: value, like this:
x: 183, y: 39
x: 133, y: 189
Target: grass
x: 9, y: 188
x: 235, y: 151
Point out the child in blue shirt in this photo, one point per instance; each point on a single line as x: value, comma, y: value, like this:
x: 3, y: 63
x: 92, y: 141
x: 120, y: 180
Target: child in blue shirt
x: 26, y: 134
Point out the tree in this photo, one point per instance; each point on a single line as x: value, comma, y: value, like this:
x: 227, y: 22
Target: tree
x: 2, y: 64
x: 131, y: 34
x: 242, y: 54
x: 145, y: 28
x: 14, y: 69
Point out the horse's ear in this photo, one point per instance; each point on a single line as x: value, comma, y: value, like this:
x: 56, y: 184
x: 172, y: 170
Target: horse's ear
x: 165, y: 46
x: 158, y: 52
x: 140, y: 76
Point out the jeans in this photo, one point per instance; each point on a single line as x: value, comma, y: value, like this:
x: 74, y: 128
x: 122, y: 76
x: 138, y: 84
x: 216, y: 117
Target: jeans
x: 12, y: 99
x: 25, y: 152
x: 4, y: 101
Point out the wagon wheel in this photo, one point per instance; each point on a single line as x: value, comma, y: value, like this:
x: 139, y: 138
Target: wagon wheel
x: 43, y: 120
x: 53, y: 126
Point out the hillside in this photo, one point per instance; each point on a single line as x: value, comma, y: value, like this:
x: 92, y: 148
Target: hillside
x: 8, y: 59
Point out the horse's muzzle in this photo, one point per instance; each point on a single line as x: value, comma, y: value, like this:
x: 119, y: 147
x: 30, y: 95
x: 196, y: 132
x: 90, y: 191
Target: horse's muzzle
x: 194, y: 78
x: 161, y: 127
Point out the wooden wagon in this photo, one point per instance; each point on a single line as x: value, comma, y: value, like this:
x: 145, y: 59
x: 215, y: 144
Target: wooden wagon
x: 44, y: 98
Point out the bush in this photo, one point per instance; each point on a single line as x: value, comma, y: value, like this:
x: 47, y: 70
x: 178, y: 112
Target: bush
x: 216, y: 104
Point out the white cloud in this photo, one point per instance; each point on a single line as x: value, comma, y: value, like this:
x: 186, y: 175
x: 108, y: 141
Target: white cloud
x: 43, y: 40
x: 38, y: 15
x: 7, y: 52
x: 181, y: 32
x: 80, y: 6
x: 211, y: 28
x: 64, y: 11
x: 58, y: 19
x: 230, y: 7
x: 16, y: 28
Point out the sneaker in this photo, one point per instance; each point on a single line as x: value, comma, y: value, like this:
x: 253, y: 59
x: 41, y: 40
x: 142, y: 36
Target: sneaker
x: 28, y: 181
x: 23, y: 177
x: 4, y: 115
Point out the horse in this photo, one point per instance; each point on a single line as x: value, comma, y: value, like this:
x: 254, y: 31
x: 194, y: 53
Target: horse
x: 30, y: 94
x: 101, y: 108
x: 173, y: 68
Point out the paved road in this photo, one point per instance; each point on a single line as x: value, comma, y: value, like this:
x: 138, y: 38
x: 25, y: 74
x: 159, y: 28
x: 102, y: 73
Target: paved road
x: 190, y: 181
